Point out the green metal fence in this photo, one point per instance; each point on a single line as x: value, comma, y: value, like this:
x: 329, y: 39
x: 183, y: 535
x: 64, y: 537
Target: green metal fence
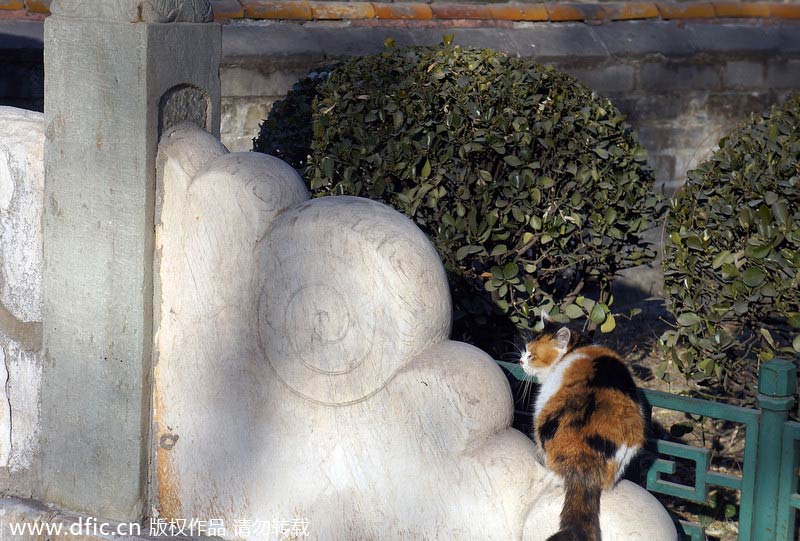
x: 768, y: 481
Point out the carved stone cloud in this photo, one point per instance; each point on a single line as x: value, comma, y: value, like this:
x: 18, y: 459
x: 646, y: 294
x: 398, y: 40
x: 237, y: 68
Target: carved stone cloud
x: 21, y: 202
x: 304, y: 374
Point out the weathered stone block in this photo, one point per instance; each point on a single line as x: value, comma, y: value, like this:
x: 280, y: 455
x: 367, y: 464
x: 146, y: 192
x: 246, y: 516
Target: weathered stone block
x: 546, y: 42
x: 734, y: 38
x: 664, y: 168
x: 106, y: 81
x: 260, y: 80
x: 241, y: 119
x: 276, y: 44
x: 607, y: 77
x: 661, y: 77
x: 784, y: 74
x: 744, y: 74
x: 643, y: 38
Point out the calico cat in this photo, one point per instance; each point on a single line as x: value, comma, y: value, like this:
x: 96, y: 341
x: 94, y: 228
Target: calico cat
x: 588, y: 422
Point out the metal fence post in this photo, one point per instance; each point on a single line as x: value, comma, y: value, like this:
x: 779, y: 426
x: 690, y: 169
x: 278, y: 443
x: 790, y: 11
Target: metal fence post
x: 777, y: 384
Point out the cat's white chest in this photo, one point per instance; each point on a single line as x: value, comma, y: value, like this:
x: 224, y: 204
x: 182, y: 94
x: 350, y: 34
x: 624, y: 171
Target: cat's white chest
x: 552, y: 383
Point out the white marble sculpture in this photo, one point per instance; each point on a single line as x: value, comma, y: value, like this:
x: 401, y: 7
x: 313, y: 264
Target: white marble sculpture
x: 21, y: 198
x: 304, y: 372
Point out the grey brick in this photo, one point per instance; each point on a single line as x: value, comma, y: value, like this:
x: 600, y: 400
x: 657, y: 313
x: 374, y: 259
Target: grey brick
x: 563, y: 42
x: 490, y: 38
x: 656, y: 135
x: 344, y: 42
x: 640, y: 107
x: 606, y: 78
x: 733, y: 38
x: 664, y: 167
x: 269, y: 43
x: 744, y: 74
x: 784, y: 74
x: 644, y: 38
x: 657, y: 76
x: 258, y: 80
x: 736, y: 106
x: 788, y: 36
x: 241, y: 118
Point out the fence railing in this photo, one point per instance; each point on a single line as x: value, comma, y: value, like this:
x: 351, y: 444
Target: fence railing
x: 768, y: 482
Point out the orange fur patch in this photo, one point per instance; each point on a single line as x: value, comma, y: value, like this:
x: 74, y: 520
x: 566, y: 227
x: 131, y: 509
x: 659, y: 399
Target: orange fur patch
x: 543, y: 351
x: 591, y: 422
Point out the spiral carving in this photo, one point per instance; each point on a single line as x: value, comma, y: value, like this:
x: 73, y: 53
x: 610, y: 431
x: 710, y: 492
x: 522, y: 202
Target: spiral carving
x: 351, y: 290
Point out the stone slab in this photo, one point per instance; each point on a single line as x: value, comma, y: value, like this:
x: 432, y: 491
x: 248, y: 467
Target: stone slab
x: 272, y: 43
x: 718, y: 39
x: 643, y: 38
x: 106, y: 83
x: 274, y: 40
x: 546, y: 42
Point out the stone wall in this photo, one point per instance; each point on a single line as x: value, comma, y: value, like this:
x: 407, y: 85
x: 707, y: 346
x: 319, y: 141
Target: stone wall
x: 683, y: 85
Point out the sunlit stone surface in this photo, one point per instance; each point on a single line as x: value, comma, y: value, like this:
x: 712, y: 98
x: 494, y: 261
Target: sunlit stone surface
x: 304, y: 372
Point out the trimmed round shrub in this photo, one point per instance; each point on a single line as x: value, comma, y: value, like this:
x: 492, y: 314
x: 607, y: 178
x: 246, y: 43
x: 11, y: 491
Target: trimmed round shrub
x: 533, y: 190
x: 732, y: 253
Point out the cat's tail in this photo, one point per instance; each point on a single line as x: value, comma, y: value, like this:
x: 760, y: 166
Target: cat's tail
x: 580, y: 516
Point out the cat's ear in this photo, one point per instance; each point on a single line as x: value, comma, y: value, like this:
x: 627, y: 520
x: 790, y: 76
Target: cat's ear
x: 563, y: 337
x: 546, y: 318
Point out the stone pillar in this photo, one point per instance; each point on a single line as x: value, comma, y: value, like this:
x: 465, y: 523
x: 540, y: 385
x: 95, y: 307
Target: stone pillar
x: 117, y: 74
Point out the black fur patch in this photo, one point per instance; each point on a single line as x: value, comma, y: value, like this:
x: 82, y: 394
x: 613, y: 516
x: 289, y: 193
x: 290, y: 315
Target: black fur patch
x: 610, y: 373
x: 604, y: 446
x: 582, y: 408
x: 580, y: 516
x: 547, y: 430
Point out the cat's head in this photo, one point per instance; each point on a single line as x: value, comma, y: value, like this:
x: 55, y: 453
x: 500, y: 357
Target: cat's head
x: 546, y: 350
